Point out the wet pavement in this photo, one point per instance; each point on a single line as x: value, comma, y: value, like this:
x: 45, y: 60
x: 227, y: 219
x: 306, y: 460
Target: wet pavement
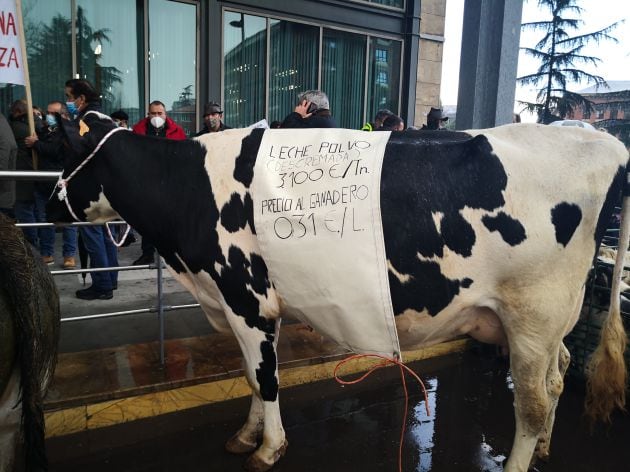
x: 356, y: 428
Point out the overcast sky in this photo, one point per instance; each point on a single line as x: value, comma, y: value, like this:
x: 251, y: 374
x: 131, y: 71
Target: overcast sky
x: 597, y: 14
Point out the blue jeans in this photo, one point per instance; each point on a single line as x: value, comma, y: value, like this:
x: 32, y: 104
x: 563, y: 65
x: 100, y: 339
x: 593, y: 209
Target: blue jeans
x: 47, y: 235
x: 25, y: 213
x: 102, y: 253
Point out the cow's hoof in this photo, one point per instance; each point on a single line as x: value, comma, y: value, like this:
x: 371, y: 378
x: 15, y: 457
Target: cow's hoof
x: 236, y: 445
x: 255, y: 464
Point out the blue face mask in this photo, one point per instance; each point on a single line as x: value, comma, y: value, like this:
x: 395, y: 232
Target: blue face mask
x: 51, y: 120
x: 72, y: 108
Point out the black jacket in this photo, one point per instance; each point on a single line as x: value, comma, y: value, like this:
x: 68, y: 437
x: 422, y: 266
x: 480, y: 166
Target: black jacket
x: 50, y: 152
x: 319, y: 119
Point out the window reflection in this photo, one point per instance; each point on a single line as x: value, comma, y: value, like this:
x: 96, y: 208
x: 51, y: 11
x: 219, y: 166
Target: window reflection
x: 244, y: 46
x: 48, y: 45
x: 343, y: 75
x: 173, y: 60
x: 293, y: 65
x: 384, y: 74
x: 107, y: 53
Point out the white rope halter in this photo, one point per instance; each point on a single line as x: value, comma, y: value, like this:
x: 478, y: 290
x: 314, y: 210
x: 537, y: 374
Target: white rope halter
x: 63, y: 183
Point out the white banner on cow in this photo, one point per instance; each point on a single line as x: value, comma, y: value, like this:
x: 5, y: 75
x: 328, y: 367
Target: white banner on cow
x: 318, y: 221
x: 11, y: 64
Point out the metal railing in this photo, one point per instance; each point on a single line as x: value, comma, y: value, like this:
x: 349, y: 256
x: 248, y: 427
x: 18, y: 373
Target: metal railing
x: 158, y: 265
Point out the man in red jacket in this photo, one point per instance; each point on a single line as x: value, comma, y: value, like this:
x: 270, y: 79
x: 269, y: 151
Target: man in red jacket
x: 158, y: 124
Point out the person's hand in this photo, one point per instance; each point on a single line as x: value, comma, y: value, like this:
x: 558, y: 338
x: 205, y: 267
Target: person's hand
x: 30, y: 140
x: 302, y: 109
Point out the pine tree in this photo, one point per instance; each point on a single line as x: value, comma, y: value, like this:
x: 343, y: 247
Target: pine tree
x: 559, y: 55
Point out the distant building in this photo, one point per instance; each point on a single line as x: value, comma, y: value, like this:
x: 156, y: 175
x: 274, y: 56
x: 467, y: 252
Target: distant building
x: 611, y: 109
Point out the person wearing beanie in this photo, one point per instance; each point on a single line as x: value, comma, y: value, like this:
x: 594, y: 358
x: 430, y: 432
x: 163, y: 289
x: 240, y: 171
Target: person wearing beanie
x: 436, y: 119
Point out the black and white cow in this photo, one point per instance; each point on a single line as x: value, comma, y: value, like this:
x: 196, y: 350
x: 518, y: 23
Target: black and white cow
x: 489, y: 233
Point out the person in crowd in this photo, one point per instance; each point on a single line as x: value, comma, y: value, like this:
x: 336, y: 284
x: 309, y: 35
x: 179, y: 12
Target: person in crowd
x: 392, y: 123
x: 378, y: 120
x: 81, y: 97
x: 49, y: 145
x: 436, y: 119
x: 8, y: 155
x: 312, y: 111
x: 120, y: 118
x: 38, y: 117
x: 156, y: 124
x: 516, y: 118
x: 275, y: 125
x: 24, y: 206
x: 212, y: 119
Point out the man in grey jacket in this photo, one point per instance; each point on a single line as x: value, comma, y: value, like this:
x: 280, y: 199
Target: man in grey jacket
x: 8, y: 153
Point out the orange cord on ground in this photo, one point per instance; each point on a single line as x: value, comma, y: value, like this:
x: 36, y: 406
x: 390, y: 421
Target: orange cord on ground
x: 387, y: 361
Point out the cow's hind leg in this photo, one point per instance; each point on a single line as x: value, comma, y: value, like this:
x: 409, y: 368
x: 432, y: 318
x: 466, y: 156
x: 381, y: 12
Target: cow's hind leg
x: 257, y: 339
x: 529, y: 364
x: 555, y: 385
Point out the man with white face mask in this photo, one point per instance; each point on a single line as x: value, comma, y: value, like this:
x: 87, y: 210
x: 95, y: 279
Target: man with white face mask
x: 158, y: 124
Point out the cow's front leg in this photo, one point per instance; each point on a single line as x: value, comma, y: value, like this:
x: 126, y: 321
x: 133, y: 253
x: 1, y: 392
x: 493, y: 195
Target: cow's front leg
x: 258, y: 342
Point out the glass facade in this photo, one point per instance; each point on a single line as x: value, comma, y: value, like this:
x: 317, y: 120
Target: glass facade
x: 173, y: 60
x: 343, y: 75
x: 360, y: 73
x: 293, y: 59
x: 48, y: 28
x: 109, y: 51
x: 107, y: 45
x: 244, y: 65
x: 136, y: 51
x: 384, y: 75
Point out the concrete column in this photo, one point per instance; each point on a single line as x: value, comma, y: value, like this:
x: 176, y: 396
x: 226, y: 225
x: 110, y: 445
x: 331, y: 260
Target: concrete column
x: 488, y: 63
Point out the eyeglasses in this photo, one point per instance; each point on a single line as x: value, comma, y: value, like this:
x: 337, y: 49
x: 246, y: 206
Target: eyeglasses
x: 213, y: 114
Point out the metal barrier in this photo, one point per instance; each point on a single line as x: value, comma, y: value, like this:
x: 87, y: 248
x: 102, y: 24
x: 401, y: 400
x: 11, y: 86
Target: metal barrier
x: 160, y: 308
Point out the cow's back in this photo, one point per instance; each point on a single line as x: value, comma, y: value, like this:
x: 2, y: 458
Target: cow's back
x: 465, y: 214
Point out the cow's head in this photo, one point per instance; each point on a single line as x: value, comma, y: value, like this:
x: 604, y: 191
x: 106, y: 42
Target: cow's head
x: 79, y: 193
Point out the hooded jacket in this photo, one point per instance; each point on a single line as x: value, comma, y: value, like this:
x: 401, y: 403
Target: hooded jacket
x: 173, y: 130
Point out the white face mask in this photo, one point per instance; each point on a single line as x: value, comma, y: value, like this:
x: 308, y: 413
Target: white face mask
x: 158, y: 121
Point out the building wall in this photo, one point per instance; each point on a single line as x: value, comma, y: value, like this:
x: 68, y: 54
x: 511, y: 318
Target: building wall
x: 606, y: 106
x: 433, y: 14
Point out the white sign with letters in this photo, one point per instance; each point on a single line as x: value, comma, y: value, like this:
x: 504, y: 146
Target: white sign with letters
x: 317, y: 216
x: 11, y: 66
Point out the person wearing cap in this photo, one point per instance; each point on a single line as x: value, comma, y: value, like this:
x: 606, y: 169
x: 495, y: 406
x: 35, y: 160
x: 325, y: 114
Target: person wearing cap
x: 435, y: 119
x: 378, y: 120
x: 312, y: 111
x: 120, y: 118
x: 158, y: 124
x: 212, y: 119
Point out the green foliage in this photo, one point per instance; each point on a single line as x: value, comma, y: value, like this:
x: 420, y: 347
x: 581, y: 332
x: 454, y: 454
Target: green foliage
x: 560, y: 55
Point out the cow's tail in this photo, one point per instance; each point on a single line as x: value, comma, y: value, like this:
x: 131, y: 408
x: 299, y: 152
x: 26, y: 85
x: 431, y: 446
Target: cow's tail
x: 606, y: 372
x: 34, y: 304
